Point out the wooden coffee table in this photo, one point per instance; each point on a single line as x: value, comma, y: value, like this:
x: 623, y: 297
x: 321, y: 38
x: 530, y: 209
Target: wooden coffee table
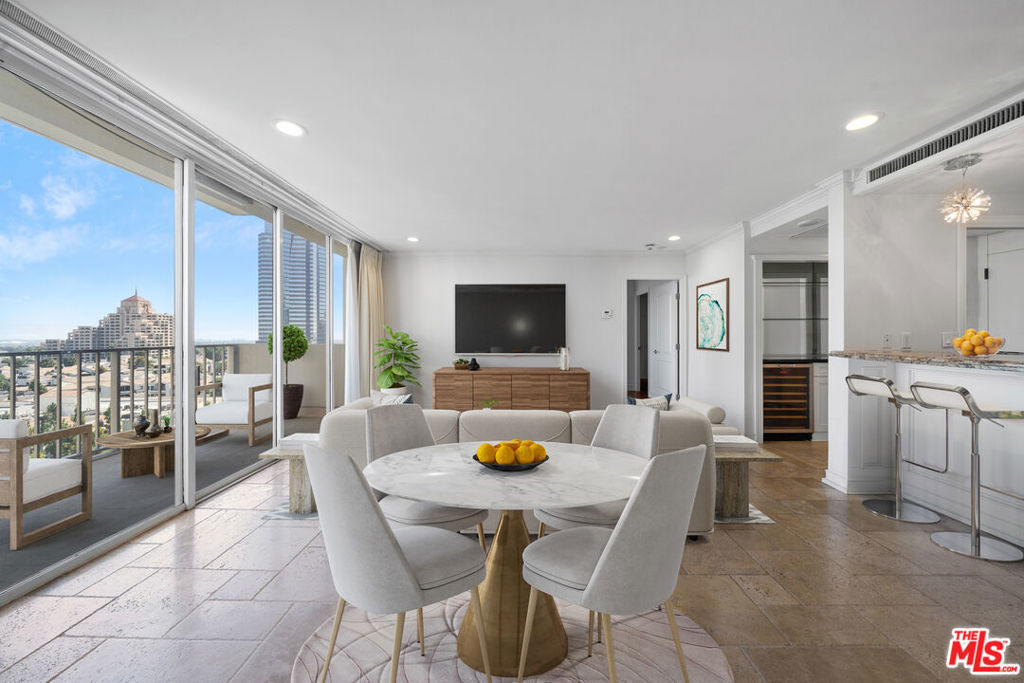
x: 144, y: 455
x: 732, y: 481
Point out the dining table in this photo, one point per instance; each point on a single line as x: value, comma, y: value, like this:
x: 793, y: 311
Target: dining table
x: 572, y: 475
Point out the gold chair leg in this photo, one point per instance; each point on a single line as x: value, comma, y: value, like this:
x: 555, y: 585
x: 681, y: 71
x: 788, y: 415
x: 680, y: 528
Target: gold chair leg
x: 675, y: 636
x: 540, y: 530
x: 419, y: 631
x: 590, y: 634
x: 609, y: 648
x: 474, y: 598
x: 531, y: 610
x: 600, y: 624
x: 334, y: 638
x: 399, y: 629
x: 480, y: 535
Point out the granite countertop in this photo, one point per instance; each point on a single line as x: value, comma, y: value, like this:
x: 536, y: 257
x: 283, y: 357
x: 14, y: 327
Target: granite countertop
x: 948, y: 358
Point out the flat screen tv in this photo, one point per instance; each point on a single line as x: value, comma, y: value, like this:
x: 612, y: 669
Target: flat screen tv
x: 509, y: 318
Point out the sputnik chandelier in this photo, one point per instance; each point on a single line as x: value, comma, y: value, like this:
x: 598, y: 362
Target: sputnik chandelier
x: 967, y: 203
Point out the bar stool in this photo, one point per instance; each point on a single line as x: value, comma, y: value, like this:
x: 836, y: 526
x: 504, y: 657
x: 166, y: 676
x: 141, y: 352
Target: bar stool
x: 972, y: 544
x: 898, y: 509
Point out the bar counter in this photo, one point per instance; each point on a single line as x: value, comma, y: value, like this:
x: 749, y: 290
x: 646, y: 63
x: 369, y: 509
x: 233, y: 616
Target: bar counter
x: 1009, y: 362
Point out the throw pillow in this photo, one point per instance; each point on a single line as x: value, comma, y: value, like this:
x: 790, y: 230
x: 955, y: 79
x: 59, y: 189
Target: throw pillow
x: 658, y: 402
x: 381, y: 399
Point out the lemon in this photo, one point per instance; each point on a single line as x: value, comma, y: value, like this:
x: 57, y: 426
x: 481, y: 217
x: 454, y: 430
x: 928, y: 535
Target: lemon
x: 539, y: 454
x: 524, y: 454
x: 957, y: 342
x: 504, y: 455
x: 981, y: 350
x: 983, y: 333
x: 485, y: 453
x: 999, y: 341
x: 977, y: 340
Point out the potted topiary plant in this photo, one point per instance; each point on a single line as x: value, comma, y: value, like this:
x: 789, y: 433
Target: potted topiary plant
x: 396, y: 358
x: 294, y: 347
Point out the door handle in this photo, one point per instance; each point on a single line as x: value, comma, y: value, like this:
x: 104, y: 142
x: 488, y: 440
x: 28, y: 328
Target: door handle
x: 655, y: 350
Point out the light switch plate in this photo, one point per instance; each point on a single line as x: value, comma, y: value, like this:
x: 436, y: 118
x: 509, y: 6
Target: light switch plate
x: 947, y: 339
x: 887, y: 341
x: 905, y: 341
x: 606, y: 314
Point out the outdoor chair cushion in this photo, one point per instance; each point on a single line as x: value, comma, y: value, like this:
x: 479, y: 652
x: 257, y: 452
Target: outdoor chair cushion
x: 50, y: 475
x: 15, y: 429
x: 236, y: 387
x: 232, y: 413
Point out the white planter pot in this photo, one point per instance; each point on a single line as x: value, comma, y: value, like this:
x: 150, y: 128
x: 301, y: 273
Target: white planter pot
x: 395, y: 391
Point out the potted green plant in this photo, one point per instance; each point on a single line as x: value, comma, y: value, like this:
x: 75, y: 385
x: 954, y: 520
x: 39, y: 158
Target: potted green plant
x: 460, y: 364
x: 294, y: 347
x: 396, y: 358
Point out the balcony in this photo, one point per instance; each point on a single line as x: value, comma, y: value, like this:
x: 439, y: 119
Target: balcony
x: 109, y: 388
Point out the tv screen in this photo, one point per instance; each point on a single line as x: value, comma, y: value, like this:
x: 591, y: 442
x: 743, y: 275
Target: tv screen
x: 509, y: 318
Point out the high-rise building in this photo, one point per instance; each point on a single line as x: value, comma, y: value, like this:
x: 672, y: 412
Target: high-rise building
x: 134, y: 324
x: 304, y: 266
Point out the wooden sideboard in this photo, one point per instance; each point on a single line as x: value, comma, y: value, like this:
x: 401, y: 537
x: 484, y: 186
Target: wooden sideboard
x: 513, y: 388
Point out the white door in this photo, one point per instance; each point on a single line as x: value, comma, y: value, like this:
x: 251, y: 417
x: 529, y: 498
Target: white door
x: 1005, y: 283
x: 663, y: 333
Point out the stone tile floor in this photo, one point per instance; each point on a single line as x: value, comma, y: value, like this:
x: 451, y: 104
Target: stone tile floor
x: 828, y: 592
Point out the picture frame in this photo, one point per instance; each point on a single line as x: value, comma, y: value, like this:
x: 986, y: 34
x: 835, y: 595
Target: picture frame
x: 712, y: 315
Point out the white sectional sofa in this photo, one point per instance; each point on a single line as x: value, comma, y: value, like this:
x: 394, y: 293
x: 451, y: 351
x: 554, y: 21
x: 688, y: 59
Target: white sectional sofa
x: 343, y: 431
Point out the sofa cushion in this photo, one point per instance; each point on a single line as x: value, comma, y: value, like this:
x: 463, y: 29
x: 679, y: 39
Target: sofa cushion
x: 50, y: 475
x: 236, y: 387
x: 714, y: 414
x: 232, y: 413
x: 659, y: 402
x: 379, y: 398
x: 498, y: 425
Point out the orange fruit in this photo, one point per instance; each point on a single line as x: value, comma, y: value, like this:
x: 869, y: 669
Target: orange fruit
x: 485, y: 452
x: 504, y: 455
x: 981, y: 350
x: 524, y: 454
x: 539, y: 454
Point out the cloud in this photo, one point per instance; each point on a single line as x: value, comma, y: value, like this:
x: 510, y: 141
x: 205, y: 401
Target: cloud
x: 27, y: 205
x: 21, y: 246
x: 63, y: 200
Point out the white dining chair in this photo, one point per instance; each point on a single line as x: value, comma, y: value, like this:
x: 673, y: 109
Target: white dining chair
x: 394, y: 428
x: 384, y: 570
x: 631, y: 429
x: 630, y: 569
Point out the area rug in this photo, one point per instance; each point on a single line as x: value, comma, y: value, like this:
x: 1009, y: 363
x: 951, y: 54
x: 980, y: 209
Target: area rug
x: 644, y: 650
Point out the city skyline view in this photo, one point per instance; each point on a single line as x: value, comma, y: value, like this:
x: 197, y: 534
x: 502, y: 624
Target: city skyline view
x: 78, y: 235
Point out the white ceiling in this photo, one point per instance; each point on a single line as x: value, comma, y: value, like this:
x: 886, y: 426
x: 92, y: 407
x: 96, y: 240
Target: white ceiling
x: 570, y: 125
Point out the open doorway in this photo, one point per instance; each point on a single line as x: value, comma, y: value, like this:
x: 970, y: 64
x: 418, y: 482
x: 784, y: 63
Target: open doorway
x: 652, y: 318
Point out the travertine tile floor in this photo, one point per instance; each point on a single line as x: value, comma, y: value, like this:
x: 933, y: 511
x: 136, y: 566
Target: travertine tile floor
x: 221, y: 593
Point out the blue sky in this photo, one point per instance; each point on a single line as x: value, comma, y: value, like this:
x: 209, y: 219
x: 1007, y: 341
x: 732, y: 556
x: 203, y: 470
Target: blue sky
x: 77, y: 235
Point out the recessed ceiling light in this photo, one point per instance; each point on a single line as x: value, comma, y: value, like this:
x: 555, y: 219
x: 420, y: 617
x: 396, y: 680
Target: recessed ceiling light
x: 673, y: 238
x: 861, y: 122
x: 412, y: 239
x: 289, y: 128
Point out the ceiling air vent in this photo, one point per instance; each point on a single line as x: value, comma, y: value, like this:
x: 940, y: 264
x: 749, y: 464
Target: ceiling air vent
x: 971, y: 130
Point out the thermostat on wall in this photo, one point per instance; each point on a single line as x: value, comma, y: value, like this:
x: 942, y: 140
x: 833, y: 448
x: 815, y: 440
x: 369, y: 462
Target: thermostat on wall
x: 606, y: 314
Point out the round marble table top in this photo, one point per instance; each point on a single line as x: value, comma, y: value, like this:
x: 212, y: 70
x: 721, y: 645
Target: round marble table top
x: 573, y: 475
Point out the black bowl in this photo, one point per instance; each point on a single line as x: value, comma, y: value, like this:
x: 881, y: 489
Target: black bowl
x: 511, y: 468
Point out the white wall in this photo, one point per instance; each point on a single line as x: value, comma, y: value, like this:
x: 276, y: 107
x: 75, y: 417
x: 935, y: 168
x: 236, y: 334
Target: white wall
x: 715, y: 376
x: 419, y: 298
x: 901, y: 270
x: 310, y: 371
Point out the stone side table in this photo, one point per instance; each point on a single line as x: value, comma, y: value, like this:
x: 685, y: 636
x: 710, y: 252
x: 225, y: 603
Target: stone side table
x: 732, y: 480
x: 300, y: 493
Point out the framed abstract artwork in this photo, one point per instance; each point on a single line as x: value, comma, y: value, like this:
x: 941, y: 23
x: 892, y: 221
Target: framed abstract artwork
x: 713, y: 315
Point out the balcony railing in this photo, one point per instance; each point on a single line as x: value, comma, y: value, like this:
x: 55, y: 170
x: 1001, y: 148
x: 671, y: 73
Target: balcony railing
x: 54, y: 389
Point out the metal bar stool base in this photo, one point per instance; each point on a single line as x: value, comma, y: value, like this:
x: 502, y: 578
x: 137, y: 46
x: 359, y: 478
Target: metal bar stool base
x: 908, y: 511
x: 991, y: 549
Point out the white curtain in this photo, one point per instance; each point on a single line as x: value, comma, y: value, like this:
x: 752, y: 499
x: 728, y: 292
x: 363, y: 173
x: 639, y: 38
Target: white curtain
x: 371, y: 314
x: 352, y: 392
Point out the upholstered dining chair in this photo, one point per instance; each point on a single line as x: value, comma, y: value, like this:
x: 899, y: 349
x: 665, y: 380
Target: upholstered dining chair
x: 632, y: 429
x: 394, y: 428
x: 630, y: 569
x: 381, y: 569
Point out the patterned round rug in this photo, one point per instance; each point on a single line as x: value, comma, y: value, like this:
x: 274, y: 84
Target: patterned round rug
x: 644, y: 650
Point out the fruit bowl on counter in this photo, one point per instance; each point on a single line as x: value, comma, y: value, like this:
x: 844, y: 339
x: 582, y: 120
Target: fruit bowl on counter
x: 978, y: 344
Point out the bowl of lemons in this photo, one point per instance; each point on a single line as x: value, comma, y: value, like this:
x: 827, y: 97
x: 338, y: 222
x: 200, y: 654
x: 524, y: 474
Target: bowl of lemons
x: 978, y: 343
x: 516, y: 455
